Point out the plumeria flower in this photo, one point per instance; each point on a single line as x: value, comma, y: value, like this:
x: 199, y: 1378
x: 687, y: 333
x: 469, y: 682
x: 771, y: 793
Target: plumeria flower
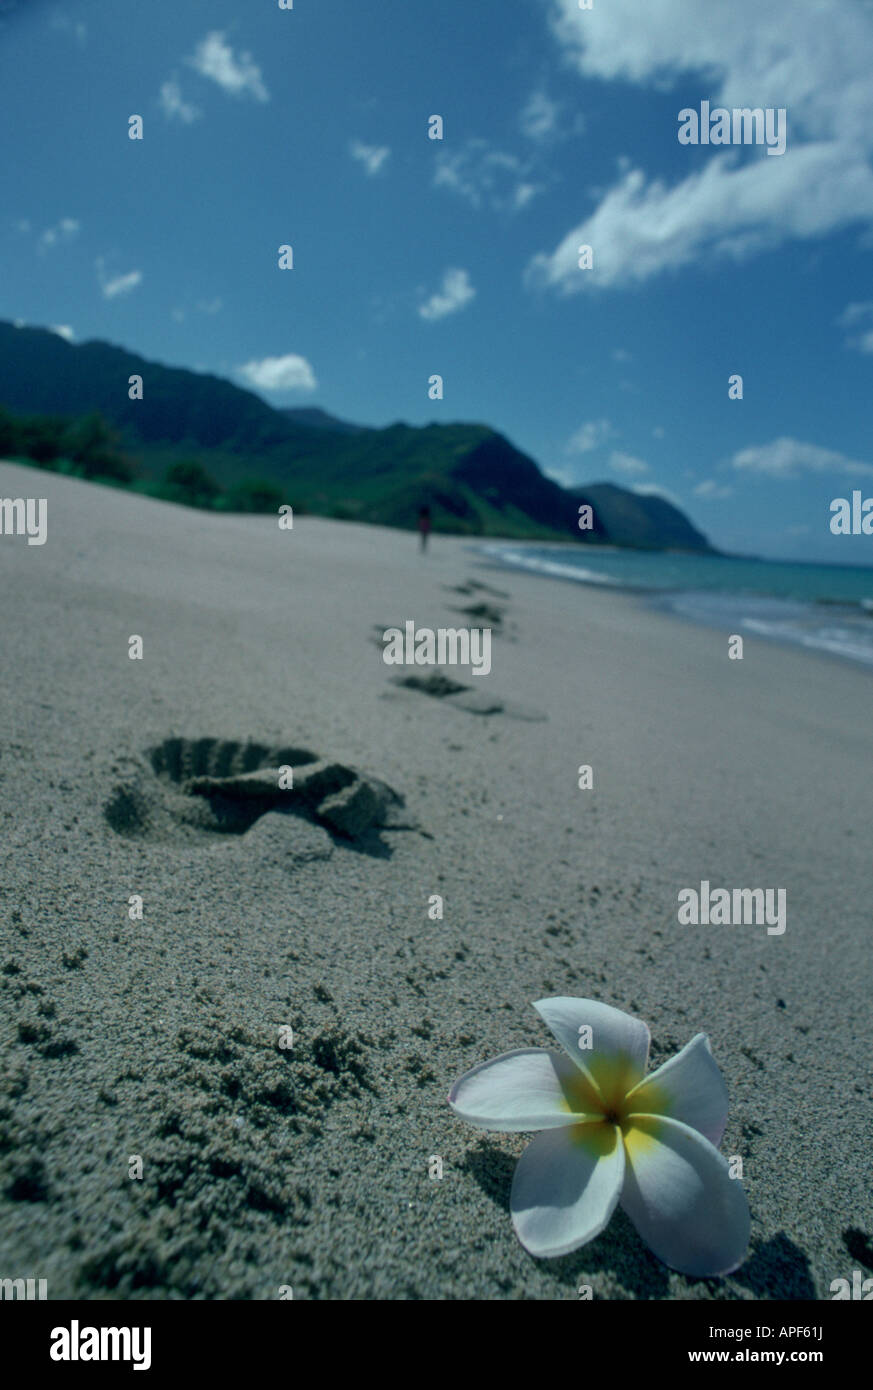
x: 612, y: 1134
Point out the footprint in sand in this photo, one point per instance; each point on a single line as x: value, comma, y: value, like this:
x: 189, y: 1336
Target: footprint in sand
x: 488, y: 614
x: 483, y: 614
x: 485, y: 611
x: 221, y: 786
x: 456, y: 694
x: 471, y: 587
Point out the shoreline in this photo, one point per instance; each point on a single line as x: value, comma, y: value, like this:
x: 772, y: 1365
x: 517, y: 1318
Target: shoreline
x: 668, y: 599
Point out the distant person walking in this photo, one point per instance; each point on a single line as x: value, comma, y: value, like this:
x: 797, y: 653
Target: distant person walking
x: 424, y: 525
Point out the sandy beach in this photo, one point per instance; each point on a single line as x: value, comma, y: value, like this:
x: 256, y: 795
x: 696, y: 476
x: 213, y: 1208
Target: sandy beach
x: 309, y: 1166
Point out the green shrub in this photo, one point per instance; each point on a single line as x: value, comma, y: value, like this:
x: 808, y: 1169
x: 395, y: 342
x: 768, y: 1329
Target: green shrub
x: 42, y: 438
x: 254, y: 495
x: 187, y: 481
x: 93, y: 449
x: 10, y: 434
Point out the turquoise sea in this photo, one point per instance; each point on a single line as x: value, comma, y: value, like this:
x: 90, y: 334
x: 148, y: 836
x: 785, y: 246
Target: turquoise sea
x: 824, y: 608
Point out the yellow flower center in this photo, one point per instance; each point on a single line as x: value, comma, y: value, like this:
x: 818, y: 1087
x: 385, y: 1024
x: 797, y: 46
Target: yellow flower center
x: 610, y: 1106
x: 606, y: 1097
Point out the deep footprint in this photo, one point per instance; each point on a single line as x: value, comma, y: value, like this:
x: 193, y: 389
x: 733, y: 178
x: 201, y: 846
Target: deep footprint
x: 224, y: 787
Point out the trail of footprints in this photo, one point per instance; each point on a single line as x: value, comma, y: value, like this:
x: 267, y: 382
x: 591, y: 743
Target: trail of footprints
x: 488, y: 610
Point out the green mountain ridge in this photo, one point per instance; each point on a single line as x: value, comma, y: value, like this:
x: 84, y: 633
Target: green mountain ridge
x: 473, y: 478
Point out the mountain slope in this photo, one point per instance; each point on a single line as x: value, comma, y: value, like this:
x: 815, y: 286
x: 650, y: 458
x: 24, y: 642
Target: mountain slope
x: 474, y: 480
x: 319, y: 419
x: 655, y: 523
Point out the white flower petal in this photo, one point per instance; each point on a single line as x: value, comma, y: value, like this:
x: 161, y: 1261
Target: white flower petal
x: 689, y: 1087
x: 523, y: 1090
x: 566, y: 1187
x: 678, y: 1195
x: 619, y: 1049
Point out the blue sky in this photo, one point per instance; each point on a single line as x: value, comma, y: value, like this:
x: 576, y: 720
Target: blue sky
x: 414, y: 256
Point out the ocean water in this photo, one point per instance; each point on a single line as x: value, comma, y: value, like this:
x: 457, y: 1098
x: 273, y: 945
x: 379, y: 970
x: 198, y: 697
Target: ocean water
x: 824, y: 608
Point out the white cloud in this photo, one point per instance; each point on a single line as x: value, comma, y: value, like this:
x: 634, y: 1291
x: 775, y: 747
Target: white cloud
x: 565, y: 477
x: 173, y: 105
x: 627, y: 464
x: 203, y: 306
x: 121, y: 284
x: 236, y: 75
x: 711, y: 490
x: 658, y: 432
x: 789, y: 458
x: 539, y: 117
x: 63, y: 330
x: 288, y: 373
x: 859, y: 319
x: 621, y: 355
x: 484, y: 175
x: 640, y: 230
x: 371, y: 156
x: 454, y: 293
x: 64, y: 24
x: 813, y: 59
x: 655, y: 490
x: 523, y: 193
x: 592, y: 435
x: 855, y: 313
x: 115, y: 285
x: 65, y: 230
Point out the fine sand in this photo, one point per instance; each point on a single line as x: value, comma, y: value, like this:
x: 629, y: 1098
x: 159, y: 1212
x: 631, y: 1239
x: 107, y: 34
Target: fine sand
x: 308, y: 1166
